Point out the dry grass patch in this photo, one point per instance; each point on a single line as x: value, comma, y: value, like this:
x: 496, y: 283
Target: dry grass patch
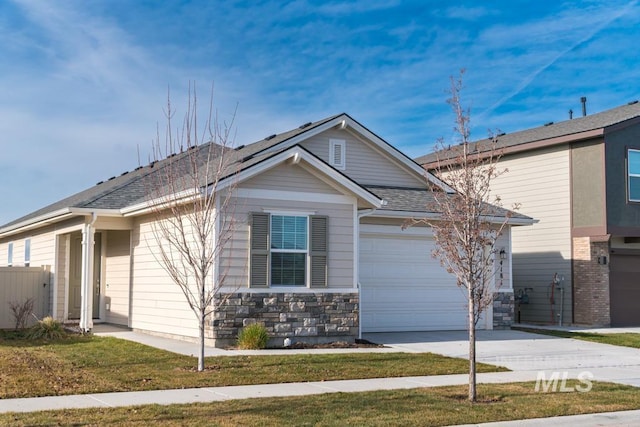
x: 81, y: 365
x: 425, y: 407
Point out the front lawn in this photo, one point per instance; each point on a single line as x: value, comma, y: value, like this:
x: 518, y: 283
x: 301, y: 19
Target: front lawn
x: 419, y: 407
x: 622, y: 339
x: 82, y: 365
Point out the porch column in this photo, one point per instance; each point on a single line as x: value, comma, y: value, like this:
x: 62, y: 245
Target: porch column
x: 86, y: 284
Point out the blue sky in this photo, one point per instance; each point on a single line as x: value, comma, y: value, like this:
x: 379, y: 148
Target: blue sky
x: 83, y: 84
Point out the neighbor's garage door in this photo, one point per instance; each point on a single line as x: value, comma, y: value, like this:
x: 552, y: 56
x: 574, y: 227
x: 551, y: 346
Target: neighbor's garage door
x: 402, y: 287
x: 624, y: 288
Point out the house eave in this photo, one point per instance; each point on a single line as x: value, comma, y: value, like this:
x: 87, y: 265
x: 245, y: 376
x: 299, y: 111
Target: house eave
x: 436, y: 216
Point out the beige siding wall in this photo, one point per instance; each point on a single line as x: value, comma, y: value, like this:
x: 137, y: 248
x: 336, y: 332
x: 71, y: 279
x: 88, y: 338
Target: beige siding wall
x: 364, y: 163
x: 116, y: 274
x: 341, y: 248
x: 541, y: 184
x: 157, y: 304
x: 288, y: 177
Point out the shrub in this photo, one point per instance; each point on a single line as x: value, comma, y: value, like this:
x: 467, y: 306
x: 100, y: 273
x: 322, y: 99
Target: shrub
x: 48, y: 329
x: 21, y: 312
x: 253, y: 337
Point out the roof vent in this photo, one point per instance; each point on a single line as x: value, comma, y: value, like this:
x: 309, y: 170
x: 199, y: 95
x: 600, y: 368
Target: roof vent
x: 548, y: 124
x: 152, y: 164
x: 98, y: 183
x: 124, y: 173
x: 270, y: 137
x: 113, y: 177
x: 171, y: 155
x: 138, y: 168
x: 502, y: 134
x: 240, y: 147
x: 633, y: 102
x: 306, y: 125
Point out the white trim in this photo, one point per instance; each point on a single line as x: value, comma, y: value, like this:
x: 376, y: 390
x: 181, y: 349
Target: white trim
x: 342, y: 122
x: 308, y: 158
x: 285, y: 212
x: 254, y: 193
x: 36, y: 222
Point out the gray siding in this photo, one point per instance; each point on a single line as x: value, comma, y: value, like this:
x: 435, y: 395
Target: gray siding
x: 288, y: 177
x: 620, y: 213
x: 364, y: 163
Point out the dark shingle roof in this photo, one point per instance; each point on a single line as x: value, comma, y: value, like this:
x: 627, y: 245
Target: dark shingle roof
x: 416, y: 200
x: 565, y: 128
x: 132, y: 187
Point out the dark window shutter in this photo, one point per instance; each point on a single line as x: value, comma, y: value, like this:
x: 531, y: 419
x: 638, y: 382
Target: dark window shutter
x: 318, y: 250
x: 258, y: 250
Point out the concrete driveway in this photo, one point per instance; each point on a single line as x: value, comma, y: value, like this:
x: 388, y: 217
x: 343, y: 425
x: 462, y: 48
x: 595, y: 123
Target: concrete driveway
x: 526, y: 352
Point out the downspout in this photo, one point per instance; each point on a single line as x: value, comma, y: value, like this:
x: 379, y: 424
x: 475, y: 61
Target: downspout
x: 86, y: 285
x: 361, y: 214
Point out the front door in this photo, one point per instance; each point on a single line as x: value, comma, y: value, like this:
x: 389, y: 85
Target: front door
x: 75, y: 275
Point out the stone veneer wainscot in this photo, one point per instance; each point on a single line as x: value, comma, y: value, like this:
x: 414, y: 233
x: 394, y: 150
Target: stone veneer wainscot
x: 303, y: 317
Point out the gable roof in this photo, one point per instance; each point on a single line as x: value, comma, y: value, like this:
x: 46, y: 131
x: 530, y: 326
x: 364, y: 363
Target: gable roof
x: 130, y: 188
x: 551, y: 134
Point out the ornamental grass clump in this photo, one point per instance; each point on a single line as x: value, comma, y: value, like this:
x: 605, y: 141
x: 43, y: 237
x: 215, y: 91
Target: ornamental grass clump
x: 47, y: 329
x: 253, y: 337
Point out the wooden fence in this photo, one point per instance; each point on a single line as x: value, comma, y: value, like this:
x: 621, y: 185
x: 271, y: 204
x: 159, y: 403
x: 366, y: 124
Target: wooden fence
x: 17, y: 284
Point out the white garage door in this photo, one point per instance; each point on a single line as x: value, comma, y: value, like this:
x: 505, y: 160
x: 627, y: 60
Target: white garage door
x: 403, y: 288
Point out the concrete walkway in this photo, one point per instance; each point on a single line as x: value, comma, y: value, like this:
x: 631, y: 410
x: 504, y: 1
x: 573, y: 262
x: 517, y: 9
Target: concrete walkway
x: 526, y: 354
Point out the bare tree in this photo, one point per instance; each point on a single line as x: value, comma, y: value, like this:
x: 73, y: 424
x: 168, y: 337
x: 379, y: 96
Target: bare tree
x: 21, y: 312
x: 191, y: 197
x: 470, y: 220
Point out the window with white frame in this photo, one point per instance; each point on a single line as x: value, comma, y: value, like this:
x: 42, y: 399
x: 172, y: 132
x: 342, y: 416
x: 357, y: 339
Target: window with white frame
x: 633, y: 175
x: 337, y: 153
x: 287, y: 250
x: 27, y: 252
x: 10, y: 254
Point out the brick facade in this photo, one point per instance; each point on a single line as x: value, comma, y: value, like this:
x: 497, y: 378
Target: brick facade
x: 305, y: 317
x: 503, y: 310
x: 591, y: 282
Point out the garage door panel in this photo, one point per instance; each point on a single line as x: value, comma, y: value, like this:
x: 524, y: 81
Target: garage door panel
x: 405, y: 289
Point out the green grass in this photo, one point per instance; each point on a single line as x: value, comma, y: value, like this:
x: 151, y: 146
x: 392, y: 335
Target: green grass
x: 82, y: 365
x: 622, y: 339
x: 424, y: 407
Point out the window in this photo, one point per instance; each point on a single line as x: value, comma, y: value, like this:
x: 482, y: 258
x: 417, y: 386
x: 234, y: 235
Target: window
x: 633, y: 171
x: 287, y: 250
x: 10, y: 254
x: 337, y: 153
x: 27, y: 252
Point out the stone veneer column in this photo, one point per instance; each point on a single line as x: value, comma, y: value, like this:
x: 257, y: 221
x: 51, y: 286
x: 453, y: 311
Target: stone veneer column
x: 503, y: 309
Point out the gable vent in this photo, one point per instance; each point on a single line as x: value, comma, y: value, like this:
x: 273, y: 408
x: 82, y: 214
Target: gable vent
x: 337, y: 154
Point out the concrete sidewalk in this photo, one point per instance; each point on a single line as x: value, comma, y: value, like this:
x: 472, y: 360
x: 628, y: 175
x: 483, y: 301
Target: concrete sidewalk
x: 217, y: 394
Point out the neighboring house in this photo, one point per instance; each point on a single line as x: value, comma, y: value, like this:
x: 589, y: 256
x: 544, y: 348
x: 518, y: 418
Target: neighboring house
x: 581, y: 179
x: 346, y: 190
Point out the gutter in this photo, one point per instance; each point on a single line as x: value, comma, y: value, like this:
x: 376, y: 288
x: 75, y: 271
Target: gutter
x: 435, y: 216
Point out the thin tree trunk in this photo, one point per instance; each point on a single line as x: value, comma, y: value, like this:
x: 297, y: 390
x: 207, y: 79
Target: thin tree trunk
x: 201, y: 343
x: 472, y: 346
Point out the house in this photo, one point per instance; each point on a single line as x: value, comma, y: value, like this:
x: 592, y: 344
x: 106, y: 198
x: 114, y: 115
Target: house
x: 345, y: 190
x: 581, y: 179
